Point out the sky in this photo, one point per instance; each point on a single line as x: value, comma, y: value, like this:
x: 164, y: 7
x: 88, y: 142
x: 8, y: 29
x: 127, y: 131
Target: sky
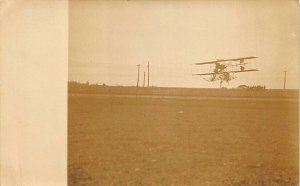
x: 107, y: 39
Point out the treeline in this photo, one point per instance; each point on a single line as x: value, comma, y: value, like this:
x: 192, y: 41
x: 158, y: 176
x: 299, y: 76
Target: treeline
x: 254, y: 87
x: 75, y: 83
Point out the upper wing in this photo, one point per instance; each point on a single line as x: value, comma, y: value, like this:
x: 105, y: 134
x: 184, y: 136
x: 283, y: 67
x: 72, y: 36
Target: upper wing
x: 241, y: 58
x: 224, y: 60
x: 207, y: 62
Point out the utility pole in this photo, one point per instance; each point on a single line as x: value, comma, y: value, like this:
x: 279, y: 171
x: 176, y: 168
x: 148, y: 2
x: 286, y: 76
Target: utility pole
x: 148, y: 66
x: 284, y: 82
x: 144, y: 79
x: 138, y: 78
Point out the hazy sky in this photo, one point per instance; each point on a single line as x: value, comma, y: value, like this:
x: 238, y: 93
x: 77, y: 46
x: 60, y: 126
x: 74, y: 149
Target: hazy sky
x: 109, y: 38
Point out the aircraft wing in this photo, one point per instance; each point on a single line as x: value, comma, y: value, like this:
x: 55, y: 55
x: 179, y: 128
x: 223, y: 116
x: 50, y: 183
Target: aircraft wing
x: 238, y: 64
x: 207, y: 62
x: 249, y: 70
x: 238, y: 59
x: 224, y: 60
x: 205, y: 74
x: 235, y: 71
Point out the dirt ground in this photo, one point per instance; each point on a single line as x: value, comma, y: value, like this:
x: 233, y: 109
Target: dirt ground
x: 146, y: 141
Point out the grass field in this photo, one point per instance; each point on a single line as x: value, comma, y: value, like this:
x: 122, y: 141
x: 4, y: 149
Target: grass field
x: 146, y: 141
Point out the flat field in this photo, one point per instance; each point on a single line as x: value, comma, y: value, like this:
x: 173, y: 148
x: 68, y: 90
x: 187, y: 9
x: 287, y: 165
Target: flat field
x: 159, y: 141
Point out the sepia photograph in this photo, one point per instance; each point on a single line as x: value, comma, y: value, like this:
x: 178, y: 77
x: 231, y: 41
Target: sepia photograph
x: 183, y: 93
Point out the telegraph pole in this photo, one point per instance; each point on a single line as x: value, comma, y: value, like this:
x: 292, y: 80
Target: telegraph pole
x: 144, y: 79
x: 148, y: 66
x: 138, y: 77
x: 284, y: 82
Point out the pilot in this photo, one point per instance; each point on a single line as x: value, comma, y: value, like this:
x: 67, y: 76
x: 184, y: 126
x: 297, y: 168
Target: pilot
x: 213, y: 77
x: 219, y: 67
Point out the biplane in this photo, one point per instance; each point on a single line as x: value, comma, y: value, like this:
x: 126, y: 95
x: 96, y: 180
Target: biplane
x: 225, y: 69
